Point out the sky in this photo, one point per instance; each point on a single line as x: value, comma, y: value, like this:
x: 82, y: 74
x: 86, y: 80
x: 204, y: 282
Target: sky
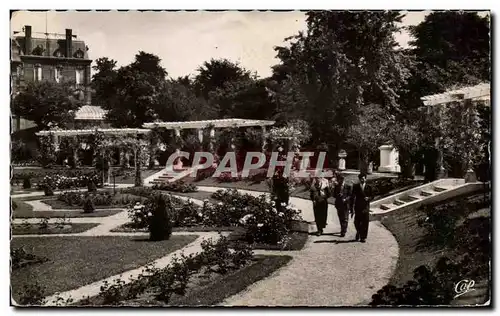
x: 183, y: 40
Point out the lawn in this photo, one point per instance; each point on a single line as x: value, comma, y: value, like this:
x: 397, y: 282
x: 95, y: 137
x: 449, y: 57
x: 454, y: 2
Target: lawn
x: 34, y: 229
x: 212, y: 288
x: 77, y: 261
x: 24, y: 210
x: 129, y: 176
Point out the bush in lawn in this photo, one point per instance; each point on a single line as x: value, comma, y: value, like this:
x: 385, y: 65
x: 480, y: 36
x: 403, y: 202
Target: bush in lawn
x: 88, y: 205
x: 429, y: 286
x: 32, y: 294
x: 48, y: 191
x: 187, y: 215
x: 160, y: 224
x: 20, y: 258
x: 226, y: 177
x: 26, y: 183
x: 91, y: 187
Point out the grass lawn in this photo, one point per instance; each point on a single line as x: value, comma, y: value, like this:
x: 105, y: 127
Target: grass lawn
x: 416, y: 248
x: 210, y: 289
x: 225, y: 286
x: 24, y: 210
x: 77, y: 261
x: 34, y: 229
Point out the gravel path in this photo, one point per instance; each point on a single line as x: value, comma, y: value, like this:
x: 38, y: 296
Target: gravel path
x: 329, y: 271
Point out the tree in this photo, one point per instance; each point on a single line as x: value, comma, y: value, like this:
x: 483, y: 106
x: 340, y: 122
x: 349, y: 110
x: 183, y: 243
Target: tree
x: 369, y: 132
x: 407, y: 140
x: 245, y: 98
x: 450, y: 48
x: 343, y: 61
x: 104, y: 81
x: 48, y: 104
x: 214, y: 74
x: 134, y: 94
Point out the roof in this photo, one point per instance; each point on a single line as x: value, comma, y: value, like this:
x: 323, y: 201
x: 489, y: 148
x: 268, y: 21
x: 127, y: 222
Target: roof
x: 90, y: 112
x: 478, y: 92
x: 107, y: 131
x: 232, y: 122
x: 52, y: 45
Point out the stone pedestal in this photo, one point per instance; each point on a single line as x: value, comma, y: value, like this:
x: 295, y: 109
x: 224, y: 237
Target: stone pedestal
x: 470, y: 176
x: 389, y: 159
x: 342, y: 162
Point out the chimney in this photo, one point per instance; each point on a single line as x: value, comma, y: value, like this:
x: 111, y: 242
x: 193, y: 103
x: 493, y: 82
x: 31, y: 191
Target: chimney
x: 27, y: 40
x: 69, y: 43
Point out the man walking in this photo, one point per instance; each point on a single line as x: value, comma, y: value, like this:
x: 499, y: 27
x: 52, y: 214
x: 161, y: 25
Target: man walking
x: 360, y: 207
x: 342, y: 193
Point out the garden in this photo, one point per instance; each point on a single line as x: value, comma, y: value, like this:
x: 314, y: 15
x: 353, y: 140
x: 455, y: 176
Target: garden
x: 440, y: 245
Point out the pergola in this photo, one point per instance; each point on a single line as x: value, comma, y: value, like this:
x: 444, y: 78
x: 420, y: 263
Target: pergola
x: 212, y: 125
x: 56, y: 134
x: 480, y: 92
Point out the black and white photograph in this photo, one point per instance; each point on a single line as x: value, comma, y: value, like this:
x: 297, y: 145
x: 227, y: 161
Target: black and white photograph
x: 259, y: 158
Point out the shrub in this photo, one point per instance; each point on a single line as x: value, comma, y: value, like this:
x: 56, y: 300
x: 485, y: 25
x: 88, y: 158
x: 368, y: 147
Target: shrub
x: 91, y: 187
x: 226, y: 177
x: 88, y: 205
x: 203, y: 174
x: 178, y: 186
x: 44, y: 223
x: 160, y: 224
x: 48, y: 191
x: 26, y: 183
x: 20, y: 258
x: 32, y: 294
x: 112, y: 293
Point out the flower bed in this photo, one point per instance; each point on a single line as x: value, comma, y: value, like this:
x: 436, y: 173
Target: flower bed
x: 178, y: 186
x: 100, y: 199
x: 20, y: 258
x: 184, y: 274
x: 57, y: 178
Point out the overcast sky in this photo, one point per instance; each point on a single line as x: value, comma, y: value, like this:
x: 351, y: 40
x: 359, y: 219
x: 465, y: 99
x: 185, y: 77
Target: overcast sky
x: 183, y: 40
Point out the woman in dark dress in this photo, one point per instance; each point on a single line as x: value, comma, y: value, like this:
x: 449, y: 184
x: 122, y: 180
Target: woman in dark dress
x: 320, y: 192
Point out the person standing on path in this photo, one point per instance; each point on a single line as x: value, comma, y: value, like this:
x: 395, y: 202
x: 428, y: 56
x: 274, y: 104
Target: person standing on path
x: 320, y: 191
x: 280, y: 189
x: 342, y: 194
x: 360, y: 207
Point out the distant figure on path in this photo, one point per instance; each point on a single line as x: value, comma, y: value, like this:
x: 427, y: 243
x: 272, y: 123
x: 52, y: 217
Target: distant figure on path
x: 280, y: 189
x: 320, y: 192
x: 360, y: 207
x: 342, y: 195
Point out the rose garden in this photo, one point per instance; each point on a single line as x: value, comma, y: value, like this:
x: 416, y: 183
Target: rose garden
x: 101, y: 216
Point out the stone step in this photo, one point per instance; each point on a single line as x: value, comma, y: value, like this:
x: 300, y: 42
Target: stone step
x: 386, y: 206
x: 440, y: 189
x: 410, y: 198
x: 426, y: 193
x: 399, y: 202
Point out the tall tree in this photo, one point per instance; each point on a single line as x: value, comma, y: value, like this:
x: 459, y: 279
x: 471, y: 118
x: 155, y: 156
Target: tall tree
x: 450, y: 48
x: 104, y: 81
x: 343, y: 61
x: 214, y: 74
x: 137, y: 90
x: 48, y: 104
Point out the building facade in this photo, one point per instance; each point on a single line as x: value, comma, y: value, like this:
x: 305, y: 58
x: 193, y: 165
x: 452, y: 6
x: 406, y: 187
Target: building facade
x: 56, y: 58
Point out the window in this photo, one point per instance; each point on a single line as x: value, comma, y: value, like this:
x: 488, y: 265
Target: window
x: 38, y: 72
x: 79, y: 76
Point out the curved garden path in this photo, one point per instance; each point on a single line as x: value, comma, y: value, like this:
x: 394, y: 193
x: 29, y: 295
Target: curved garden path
x: 329, y: 271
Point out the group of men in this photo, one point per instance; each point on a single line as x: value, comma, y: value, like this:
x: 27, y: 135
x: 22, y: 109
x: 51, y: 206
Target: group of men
x: 354, y: 201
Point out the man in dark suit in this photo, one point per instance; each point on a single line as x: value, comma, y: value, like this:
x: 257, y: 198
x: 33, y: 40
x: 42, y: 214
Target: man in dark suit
x: 360, y: 207
x: 342, y: 193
